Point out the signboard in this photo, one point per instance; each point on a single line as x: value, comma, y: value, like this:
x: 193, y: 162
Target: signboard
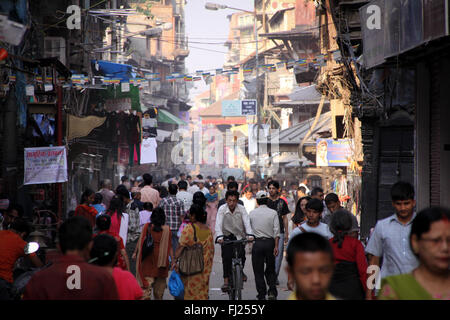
x: 231, y: 108
x: 249, y: 107
x: 238, y: 108
x: 372, y: 28
x: 333, y: 153
x: 45, y: 165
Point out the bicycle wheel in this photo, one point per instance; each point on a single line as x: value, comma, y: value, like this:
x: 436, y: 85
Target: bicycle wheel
x: 231, y: 291
x: 237, y: 281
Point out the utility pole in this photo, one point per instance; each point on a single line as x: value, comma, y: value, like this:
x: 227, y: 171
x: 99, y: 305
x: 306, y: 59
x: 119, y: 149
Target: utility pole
x: 114, y: 33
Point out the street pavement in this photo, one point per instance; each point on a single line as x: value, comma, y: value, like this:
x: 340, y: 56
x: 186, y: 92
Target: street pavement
x: 249, y: 292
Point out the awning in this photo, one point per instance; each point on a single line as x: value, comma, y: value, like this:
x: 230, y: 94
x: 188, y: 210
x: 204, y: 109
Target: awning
x: 111, y: 69
x: 167, y: 117
x: 294, y: 34
x: 301, y: 96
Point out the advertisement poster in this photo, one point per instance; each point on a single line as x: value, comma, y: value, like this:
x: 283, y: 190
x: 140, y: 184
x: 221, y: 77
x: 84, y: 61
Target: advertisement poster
x: 333, y: 153
x: 45, y: 165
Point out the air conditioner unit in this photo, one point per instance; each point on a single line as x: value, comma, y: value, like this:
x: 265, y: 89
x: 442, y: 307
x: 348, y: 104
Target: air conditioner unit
x: 55, y: 47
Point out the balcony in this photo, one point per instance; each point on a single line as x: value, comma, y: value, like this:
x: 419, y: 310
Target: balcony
x: 181, y: 46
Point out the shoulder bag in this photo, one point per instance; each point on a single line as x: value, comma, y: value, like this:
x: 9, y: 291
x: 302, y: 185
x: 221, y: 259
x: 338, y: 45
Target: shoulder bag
x: 191, y: 258
x: 148, y: 245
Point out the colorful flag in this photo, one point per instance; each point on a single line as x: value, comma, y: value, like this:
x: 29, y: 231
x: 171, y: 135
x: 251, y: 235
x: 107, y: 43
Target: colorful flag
x: 248, y: 70
x: 188, y: 78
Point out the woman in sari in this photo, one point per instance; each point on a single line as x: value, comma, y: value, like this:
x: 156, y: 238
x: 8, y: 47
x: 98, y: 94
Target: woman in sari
x: 153, y: 270
x: 196, y: 287
x: 212, y: 200
x: 430, y: 242
x: 84, y: 209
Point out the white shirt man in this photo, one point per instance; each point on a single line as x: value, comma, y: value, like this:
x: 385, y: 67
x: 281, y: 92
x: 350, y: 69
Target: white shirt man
x: 232, y: 222
x: 266, y: 228
x: 321, y: 229
x: 194, y: 188
x: 185, y: 197
x: 201, y: 187
x: 249, y: 204
x: 237, y: 222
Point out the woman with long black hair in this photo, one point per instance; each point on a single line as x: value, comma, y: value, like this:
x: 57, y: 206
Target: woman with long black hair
x: 300, y: 211
x: 115, y: 211
x: 349, y: 279
x: 152, y: 270
x: 84, y: 209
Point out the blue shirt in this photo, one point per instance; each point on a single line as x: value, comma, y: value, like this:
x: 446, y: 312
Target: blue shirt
x: 390, y: 240
x: 100, y: 208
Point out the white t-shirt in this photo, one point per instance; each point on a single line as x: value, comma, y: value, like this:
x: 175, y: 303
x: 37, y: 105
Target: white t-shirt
x: 186, y: 198
x: 144, y: 217
x: 249, y: 204
x: 148, y: 151
x: 193, y: 189
x: 321, y: 229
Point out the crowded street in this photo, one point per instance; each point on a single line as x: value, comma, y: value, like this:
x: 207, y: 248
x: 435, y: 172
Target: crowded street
x: 234, y: 150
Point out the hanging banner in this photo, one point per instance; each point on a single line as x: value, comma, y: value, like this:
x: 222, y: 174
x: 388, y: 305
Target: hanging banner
x: 333, y: 153
x: 45, y: 165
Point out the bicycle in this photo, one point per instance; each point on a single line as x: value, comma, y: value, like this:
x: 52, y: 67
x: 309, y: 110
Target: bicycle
x: 236, y: 281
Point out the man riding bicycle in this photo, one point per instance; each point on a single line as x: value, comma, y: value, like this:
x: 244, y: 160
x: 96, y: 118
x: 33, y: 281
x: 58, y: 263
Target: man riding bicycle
x: 232, y: 223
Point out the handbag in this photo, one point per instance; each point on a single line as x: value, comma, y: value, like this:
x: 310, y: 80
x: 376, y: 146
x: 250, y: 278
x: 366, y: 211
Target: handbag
x: 191, y: 258
x: 148, y: 245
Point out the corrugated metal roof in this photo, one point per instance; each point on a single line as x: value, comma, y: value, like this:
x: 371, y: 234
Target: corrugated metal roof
x: 302, y: 96
x: 295, y: 134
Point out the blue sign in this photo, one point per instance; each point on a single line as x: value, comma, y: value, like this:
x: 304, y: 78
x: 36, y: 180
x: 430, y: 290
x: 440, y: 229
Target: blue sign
x: 249, y: 107
x: 231, y: 108
x: 333, y: 153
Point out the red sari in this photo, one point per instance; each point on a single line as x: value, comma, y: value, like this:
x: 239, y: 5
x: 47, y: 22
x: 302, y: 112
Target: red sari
x: 120, y: 246
x: 86, y: 211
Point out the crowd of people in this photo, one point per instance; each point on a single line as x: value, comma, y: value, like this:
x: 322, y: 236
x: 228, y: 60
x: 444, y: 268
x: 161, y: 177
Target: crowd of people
x: 125, y: 242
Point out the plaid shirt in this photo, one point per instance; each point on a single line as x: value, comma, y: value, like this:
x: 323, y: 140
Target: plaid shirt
x: 174, y: 209
x: 133, y: 224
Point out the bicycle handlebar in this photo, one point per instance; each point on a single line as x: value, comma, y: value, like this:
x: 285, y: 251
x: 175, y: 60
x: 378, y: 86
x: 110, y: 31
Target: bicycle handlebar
x: 226, y: 242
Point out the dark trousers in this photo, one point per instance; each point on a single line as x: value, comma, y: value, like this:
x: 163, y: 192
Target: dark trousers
x: 227, y: 257
x: 131, y: 246
x: 262, y: 253
x: 174, y: 240
x: 5, y: 287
